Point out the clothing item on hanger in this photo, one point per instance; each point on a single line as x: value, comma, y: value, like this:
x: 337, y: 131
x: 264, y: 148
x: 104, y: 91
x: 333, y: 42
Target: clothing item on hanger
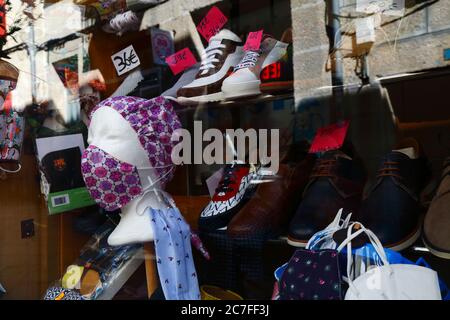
x: 224, y: 51
x: 392, y: 209
x: 436, y: 228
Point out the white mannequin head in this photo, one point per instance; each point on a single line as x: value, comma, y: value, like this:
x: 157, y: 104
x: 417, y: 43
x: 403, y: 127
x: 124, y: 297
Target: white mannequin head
x: 110, y: 132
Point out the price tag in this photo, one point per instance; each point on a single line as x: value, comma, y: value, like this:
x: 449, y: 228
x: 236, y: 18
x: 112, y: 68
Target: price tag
x: 212, y: 23
x: 329, y: 138
x: 253, y: 42
x: 365, y: 30
x: 125, y: 60
x: 180, y: 61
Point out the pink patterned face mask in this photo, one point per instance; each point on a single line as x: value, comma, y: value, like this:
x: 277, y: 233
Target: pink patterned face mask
x: 112, y: 183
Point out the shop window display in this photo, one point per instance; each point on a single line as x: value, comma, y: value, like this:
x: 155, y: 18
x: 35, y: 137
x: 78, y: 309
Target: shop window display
x: 225, y: 150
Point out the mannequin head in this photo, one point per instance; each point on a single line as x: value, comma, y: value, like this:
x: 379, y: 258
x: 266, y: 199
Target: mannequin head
x: 129, y: 149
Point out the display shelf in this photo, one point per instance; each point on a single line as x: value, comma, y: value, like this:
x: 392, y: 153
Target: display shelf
x: 264, y: 98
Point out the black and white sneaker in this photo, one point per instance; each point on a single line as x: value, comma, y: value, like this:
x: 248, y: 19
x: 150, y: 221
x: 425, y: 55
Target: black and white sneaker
x: 233, y: 191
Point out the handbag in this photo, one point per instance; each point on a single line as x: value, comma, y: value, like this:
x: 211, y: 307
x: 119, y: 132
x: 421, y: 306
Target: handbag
x: 388, y: 281
x: 12, y: 127
x: 319, y: 264
x: 312, y: 275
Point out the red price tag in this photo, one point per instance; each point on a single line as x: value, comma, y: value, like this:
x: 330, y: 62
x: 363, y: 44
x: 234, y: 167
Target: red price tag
x: 253, y: 41
x: 212, y: 23
x: 329, y: 138
x: 181, y: 60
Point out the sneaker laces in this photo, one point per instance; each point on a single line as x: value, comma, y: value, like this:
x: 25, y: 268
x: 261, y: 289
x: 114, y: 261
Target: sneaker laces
x: 209, y: 55
x: 389, y: 169
x: 249, y: 60
x: 229, y: 178
x: 125, y: 21
x: 324, y: 168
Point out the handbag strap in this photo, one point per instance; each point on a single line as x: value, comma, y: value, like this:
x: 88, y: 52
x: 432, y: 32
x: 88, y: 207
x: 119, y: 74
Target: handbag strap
x: 327, y: 233
x: 376, y: 243
x: 19, y: 167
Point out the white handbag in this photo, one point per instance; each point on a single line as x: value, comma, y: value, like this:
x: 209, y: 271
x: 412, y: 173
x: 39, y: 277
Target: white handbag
x: 388, y: 282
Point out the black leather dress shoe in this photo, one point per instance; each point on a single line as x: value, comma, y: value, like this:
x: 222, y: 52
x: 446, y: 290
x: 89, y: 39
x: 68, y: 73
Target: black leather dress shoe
x: 336, y: 182
x: 392, y: 209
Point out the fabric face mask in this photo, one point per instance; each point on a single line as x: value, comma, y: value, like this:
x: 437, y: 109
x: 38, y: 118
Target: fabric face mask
x: 113, y: 183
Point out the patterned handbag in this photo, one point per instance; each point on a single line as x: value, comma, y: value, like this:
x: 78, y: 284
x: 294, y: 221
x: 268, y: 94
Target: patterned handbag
x: 12, y: 127
x: 312, y: 275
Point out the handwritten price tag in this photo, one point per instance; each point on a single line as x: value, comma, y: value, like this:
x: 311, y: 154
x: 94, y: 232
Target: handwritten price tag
x: 253, y: 41
x: 212, y: 23
x: 125, y: 60
x: 181, y: 60
x: 329, y: 138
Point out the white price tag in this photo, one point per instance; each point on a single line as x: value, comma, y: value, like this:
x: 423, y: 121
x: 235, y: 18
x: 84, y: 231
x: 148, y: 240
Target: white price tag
x: 125, y: 60
x: 387, y: 7
x: 365, y: 30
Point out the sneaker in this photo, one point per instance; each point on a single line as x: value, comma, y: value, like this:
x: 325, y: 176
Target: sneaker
x: 123, y: 22
x: 436, y: 227
x: 392, y: 209
x: 224, y: 51
x: 233, y: 191
x: 245, y: 79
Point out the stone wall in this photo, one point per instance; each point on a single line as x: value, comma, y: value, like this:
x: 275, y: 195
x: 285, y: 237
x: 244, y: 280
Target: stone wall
x: 412, y: 43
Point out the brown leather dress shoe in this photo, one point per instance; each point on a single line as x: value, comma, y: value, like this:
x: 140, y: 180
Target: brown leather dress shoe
x: 271, y: 208
x: 436, y: 228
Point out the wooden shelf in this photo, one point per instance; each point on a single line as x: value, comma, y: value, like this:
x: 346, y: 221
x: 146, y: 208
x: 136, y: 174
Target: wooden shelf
x: 264, y: 98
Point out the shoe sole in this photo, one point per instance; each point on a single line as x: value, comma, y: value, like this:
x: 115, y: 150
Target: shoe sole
x: 409, y: 241
x: 435, y: 252
x: 241, y: 90
x: 213, y: 97
x: 296, y: 243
